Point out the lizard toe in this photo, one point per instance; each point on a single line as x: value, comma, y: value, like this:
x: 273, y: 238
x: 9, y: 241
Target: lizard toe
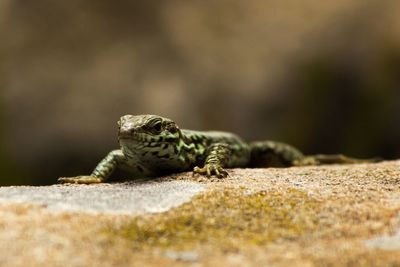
x: 80, y: 180
x: 210, y: 170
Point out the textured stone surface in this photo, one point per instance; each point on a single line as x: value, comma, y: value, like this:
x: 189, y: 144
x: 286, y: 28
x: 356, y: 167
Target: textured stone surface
x: 130, y: 198
x: 386, y: 242
x: 340, y: 215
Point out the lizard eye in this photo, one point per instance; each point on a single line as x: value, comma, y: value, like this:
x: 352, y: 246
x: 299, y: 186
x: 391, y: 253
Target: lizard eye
x: 157, y: 127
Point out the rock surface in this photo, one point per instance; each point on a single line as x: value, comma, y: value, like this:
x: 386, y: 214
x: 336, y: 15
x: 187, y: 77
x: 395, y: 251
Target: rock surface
x: 119, y: 198
x: 387, y: 242
x: 339, y: 215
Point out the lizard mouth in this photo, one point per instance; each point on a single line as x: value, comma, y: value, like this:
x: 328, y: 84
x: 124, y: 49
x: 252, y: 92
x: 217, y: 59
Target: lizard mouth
x: 125, y: 136
x: 133, y: 137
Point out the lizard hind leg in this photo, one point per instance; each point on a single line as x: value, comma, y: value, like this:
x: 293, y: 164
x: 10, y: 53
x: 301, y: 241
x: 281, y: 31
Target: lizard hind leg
x: 273, y: 154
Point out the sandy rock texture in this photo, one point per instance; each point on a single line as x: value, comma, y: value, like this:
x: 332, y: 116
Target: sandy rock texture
x: 339, y: 215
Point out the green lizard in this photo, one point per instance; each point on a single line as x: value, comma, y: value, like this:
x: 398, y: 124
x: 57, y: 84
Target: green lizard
x: 152, y: 146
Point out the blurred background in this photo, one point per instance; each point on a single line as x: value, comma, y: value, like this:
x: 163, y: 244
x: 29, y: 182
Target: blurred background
x: 321, y: 75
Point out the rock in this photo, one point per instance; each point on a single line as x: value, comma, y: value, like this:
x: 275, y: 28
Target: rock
x: 128, y: 198
x: 338, y: 215
x: 188, y: 256
x: 386, y: 242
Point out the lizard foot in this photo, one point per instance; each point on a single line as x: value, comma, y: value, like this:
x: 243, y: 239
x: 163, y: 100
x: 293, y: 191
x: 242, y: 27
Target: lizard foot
x: 80, y: 180
x: 306, y: 161
x: 211, y: 169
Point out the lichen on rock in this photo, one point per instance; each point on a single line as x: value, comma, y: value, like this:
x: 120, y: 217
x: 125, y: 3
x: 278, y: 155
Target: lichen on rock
x: 229, y: 219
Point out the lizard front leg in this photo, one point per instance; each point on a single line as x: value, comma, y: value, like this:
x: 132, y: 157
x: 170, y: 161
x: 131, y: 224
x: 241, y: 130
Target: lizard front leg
x: 217, y: 157
x: 102, y: 171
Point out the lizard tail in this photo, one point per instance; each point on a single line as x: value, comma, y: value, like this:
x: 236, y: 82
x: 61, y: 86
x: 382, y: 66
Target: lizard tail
x: 322, y: 159
x: 277, y: 154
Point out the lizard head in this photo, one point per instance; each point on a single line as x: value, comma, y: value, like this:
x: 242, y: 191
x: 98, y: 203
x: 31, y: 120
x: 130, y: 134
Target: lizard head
x: 146, y: 132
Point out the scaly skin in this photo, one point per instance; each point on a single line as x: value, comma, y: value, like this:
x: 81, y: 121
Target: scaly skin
x: 152, y: 146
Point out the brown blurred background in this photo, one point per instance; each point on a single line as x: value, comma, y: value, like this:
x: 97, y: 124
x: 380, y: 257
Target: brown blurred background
x: 321, y: 75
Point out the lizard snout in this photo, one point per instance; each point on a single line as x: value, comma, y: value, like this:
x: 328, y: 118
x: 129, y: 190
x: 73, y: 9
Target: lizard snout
x: 125, y: 131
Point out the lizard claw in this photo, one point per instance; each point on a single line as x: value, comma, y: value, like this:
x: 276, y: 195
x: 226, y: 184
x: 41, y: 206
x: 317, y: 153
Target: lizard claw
x: 211, y: 169
x: 80, y: 180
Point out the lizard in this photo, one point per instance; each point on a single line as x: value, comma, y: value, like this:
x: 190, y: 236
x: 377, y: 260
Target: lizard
x: 151, y: 145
